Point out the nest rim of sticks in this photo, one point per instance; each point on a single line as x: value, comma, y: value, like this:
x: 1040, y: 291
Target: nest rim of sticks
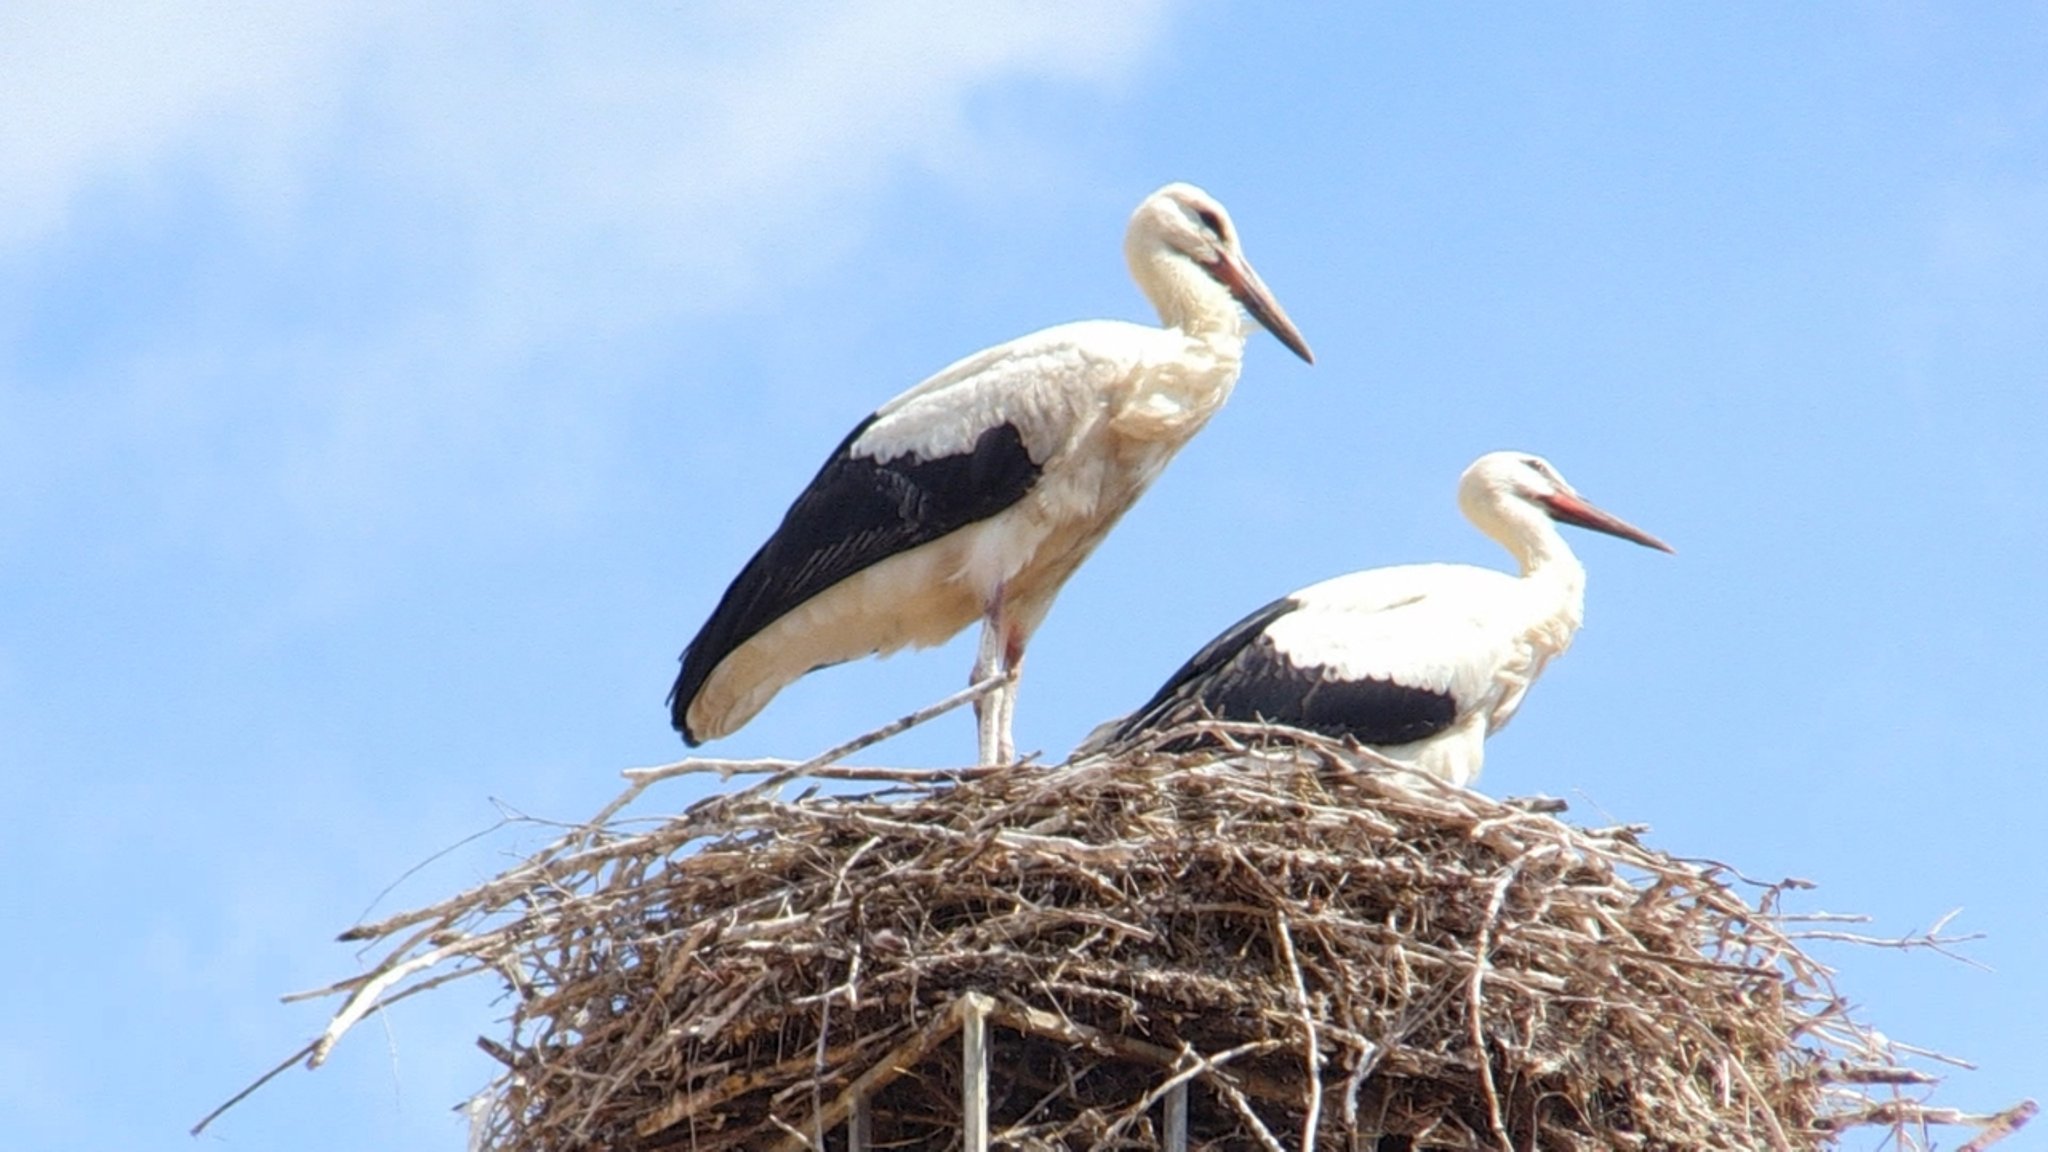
x: 1318, y: 943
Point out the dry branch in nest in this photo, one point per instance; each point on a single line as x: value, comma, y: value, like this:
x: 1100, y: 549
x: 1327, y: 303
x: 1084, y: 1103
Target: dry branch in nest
x: 1319, y: 950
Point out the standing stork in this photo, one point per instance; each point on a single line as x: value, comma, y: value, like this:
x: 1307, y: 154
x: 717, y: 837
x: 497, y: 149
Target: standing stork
x: 1420, y: 662
x: 974, y: 495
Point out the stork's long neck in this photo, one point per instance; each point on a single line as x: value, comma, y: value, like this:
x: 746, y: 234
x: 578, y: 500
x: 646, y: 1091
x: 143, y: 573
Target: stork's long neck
x: 1553, y: 580
x: 1191, y: 300
x: 1179, y: 392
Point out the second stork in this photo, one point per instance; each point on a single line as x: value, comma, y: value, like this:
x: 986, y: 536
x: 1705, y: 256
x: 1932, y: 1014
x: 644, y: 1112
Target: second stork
x: 1421, y: 662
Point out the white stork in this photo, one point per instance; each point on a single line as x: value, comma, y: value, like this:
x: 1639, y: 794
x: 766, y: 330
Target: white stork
x: 1421, y: 662
x: 974, y: 495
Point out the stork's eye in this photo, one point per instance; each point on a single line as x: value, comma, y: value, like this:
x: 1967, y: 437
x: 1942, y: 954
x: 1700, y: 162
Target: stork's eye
x: 1212, y: 222
x: 1543, y: 469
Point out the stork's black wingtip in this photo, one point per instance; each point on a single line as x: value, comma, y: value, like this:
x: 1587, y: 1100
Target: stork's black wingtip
x: 679, y: 714
x: 679, y: 719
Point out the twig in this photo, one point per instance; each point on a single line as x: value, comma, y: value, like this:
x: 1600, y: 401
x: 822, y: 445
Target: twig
x: 1475, y: 1004
x: 707, y: 766
x: 784, y: 771
x: 899, y: 1060
x: 727, y: 769
x: 1931, y: 939
x: 2002, y: 1125
x: 1762, y: 1105
x: 245, y: 1093
x: 962, y: 698
x: 1312, y: 1056
x: 682, y: 1107
x: 1027, y: 1019
x: 1191, y: 1069
x: 365, y: 998
x: 1243, y: 1108
x: 1930, y: 1054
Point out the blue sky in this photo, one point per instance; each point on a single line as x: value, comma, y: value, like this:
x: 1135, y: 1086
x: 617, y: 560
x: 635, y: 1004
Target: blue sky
x: 386, y: 397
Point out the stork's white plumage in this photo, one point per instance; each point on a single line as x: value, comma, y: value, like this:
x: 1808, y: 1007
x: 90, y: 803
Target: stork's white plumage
x: 974, y: 495
x: 1420, y: 662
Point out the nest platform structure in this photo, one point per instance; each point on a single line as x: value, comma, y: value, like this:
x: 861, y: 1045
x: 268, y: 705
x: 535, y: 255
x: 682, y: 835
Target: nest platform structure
x: 1241, y: 948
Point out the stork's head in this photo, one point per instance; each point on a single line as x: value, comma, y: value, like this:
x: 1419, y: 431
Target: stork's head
x: 1503, y: 491
x: 1180, y: 242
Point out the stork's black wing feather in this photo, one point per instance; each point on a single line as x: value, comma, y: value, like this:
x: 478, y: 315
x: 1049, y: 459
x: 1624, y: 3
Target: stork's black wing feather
x: 1244, y: 676
x: 855, y: 513
x: 1182, y: 696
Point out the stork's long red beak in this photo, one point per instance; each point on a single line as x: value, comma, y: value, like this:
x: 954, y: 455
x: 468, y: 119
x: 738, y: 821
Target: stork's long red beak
x: 1572, y: 508
x: 1235, y: 273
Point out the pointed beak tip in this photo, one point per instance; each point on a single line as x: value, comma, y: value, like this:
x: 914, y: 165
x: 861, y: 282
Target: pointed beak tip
x: 1638, y: 536
x: 1251, y: 292
x: 1283, y: 330
x: 1273, y: 320
x: 1649, y: 541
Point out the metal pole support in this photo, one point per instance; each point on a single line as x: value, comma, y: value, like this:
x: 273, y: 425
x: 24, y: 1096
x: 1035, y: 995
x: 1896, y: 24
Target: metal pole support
x: 974, y: 1073
x: 1177, y: 1118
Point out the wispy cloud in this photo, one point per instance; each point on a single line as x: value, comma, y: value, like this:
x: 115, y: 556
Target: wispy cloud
x: 106, y: 94
x: 683, y: 139
x: 356, y: 224
x: 731, y: 144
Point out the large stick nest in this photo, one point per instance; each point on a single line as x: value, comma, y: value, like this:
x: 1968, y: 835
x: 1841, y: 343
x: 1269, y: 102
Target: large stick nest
x: 1320, y: 948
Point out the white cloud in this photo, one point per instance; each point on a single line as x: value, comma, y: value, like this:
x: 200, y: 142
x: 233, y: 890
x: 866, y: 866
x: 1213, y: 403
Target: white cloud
x: 576, y: 173
x: 107, y: 92
x: 563, y: 135
x: 703, y: 152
